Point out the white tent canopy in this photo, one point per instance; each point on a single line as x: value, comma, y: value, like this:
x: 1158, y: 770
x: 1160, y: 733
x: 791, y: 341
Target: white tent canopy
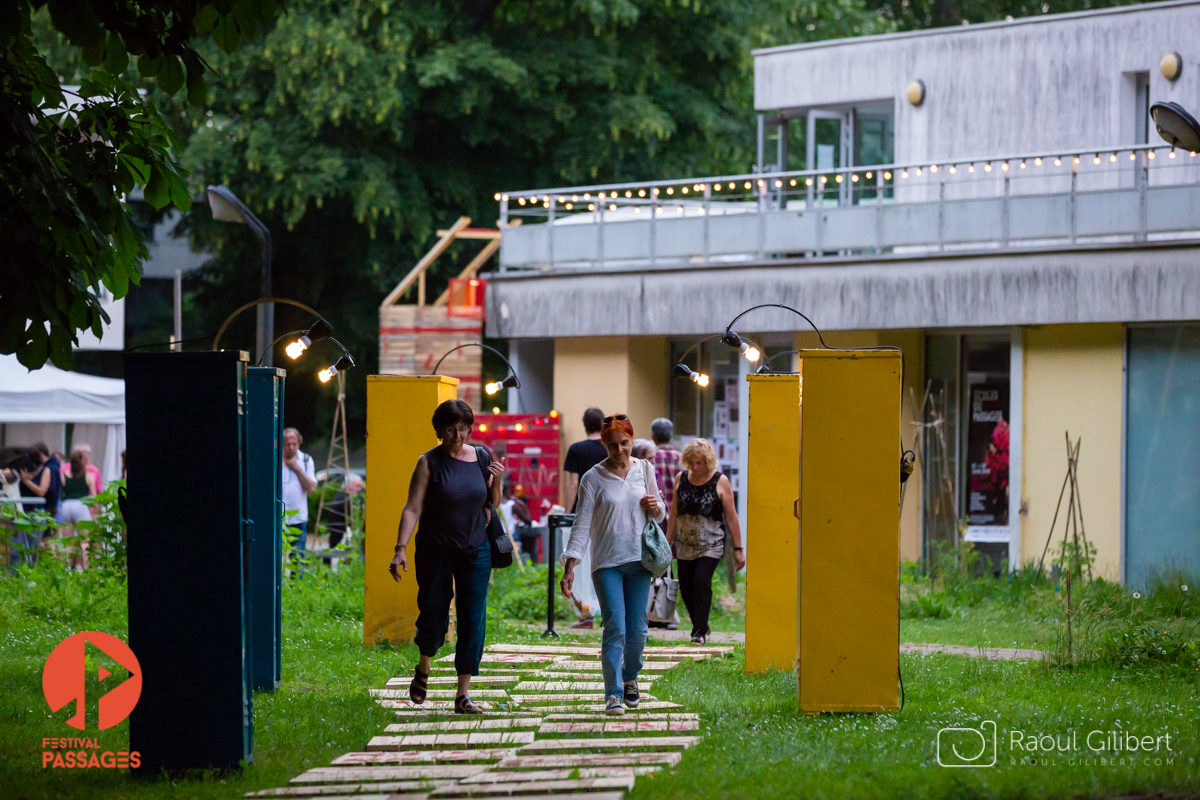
x: 35, y: 405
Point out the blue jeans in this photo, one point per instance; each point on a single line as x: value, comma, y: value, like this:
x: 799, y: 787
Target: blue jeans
x: 300, y: 540
x: 624, y: 591
x: 440, y: 577
x: 23, y: 548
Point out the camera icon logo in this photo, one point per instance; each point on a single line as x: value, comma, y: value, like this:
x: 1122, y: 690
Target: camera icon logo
x: 967, y: 747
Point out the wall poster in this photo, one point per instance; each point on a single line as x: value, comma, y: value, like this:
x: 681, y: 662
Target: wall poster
x: 987, y: 453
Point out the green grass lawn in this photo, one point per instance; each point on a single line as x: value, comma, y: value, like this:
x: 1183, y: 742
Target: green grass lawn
x: 756, y: 745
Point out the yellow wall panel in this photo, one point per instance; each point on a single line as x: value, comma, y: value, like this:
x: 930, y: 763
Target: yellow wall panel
x: 399, y: 410
x: 912, y: 342
x: 649, y: 382
x: 849, y: 571
x: 773, y: 484
x: 589, y: 371
x: 1074, y: 381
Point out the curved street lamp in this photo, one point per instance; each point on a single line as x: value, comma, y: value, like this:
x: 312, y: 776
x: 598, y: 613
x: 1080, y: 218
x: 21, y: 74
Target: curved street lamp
x: 749, y: 350
x: 228, y: 207
x: 510, y: 382
x: 304, y: 339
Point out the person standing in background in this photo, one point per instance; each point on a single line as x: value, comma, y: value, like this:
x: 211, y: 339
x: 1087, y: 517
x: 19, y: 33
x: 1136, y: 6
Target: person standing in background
x: 702, y: 508
x: 643, y: 449
x: 78, y: 483
x: 299, y: 481
x: 583, y: 455
x: 45, y: 481
x: 92, y: 469
x: 666, y: 458
x: 341, y: 507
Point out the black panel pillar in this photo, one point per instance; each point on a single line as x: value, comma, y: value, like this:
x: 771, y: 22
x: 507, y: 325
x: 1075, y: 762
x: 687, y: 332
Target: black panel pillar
x: 188, y: 546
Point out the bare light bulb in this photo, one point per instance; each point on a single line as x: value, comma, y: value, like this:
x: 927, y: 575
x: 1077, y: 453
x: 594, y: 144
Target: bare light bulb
x: 296, y: 348
x: 751, y: 352
x: 700, y: 378
x: 325, y: 375
x: 491, y: 388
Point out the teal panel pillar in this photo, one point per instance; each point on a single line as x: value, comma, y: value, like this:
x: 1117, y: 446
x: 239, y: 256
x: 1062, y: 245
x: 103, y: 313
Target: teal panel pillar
x: 264, y: 505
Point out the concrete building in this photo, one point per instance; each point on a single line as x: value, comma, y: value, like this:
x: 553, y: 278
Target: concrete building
x: 993, y: 199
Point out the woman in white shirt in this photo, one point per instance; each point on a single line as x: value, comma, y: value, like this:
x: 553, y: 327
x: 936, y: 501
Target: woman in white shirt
x: 616, y: 497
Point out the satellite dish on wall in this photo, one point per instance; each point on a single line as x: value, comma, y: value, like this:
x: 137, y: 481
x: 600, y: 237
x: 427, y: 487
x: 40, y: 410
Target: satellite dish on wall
x: 1176, y: 126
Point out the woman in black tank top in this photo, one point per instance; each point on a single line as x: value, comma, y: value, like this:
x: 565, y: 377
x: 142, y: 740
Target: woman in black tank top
x: 701, y: 511
x: 453, y: 492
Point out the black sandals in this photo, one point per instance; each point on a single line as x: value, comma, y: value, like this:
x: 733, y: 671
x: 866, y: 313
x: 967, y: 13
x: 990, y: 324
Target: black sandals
x: 419, y: 686
x: 463, y: 705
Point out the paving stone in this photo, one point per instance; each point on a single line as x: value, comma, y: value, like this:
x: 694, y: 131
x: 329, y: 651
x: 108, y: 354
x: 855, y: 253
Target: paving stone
x: 582, y: 795
x: 511, y: 656
x: 365, y: 796
x: 441, y: 694
x: 510, y: 776
x: 412, y: 757
x: 447, y: 713
x: 615, y: 743
x: 534, y: 787
x: 452, y: 680
x: 559, y: 686
x: 580, y: 760
x: 468, y: 740
x: 320, y: 790
x: 584, y: 676
x: 362, y: 774
x: 544, y: 650
x: 620, y: 726
x: 465, y: 725
x: 570, y: 698
x: 596, y: 666
x: 657, y: 705
x: 638, y: 713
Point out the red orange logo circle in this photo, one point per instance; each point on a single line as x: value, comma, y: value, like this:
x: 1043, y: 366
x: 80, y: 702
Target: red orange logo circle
x: 63, y: 678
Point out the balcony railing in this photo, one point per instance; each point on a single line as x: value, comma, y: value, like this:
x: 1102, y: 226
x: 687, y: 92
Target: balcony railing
x: 1045, y: 200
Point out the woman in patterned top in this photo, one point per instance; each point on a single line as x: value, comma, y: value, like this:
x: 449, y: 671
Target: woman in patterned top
x: 702, y: 506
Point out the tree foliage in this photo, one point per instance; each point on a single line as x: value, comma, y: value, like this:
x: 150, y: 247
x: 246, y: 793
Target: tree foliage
x: 357, y: 128
x: 70, y: 157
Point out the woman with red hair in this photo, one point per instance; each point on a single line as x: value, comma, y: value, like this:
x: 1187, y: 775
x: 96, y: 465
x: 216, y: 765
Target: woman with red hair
x: 616, y: 499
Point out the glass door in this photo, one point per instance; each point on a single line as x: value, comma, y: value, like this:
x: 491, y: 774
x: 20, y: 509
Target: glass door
x: 1162, y: 452
x: 828, y: 146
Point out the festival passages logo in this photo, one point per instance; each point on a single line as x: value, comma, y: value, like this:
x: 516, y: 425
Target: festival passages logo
x: 63, y: 681
x: 977, y: 747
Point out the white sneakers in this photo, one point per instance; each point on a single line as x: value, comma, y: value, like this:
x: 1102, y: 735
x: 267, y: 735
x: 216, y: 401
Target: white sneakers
x: 614, y: 708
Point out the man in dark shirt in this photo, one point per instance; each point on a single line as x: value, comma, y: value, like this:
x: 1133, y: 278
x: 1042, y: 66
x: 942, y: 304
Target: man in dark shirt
x: 583, y: 455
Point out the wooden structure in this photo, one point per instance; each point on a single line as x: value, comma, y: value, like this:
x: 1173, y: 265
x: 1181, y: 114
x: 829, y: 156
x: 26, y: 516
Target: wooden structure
x: 413, y: 337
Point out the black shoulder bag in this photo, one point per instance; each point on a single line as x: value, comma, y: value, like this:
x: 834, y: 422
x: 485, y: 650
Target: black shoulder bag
x: 501, y: 545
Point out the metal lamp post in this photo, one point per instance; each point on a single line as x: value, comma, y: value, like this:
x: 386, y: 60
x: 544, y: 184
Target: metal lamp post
x: 226, y: 207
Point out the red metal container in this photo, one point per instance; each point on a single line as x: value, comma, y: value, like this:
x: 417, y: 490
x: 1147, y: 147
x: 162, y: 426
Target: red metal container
x: 531, y: 445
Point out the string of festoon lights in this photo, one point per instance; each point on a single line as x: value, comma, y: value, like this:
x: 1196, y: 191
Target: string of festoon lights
x: 611, y: 199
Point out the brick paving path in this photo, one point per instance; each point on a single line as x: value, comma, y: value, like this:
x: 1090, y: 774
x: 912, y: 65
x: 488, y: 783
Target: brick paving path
x: 544, y: 733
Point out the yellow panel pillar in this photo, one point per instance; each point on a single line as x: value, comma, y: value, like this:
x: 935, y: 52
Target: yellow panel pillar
x: 399, y: 409
x: 849, y: 563
x: 772, y: 485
